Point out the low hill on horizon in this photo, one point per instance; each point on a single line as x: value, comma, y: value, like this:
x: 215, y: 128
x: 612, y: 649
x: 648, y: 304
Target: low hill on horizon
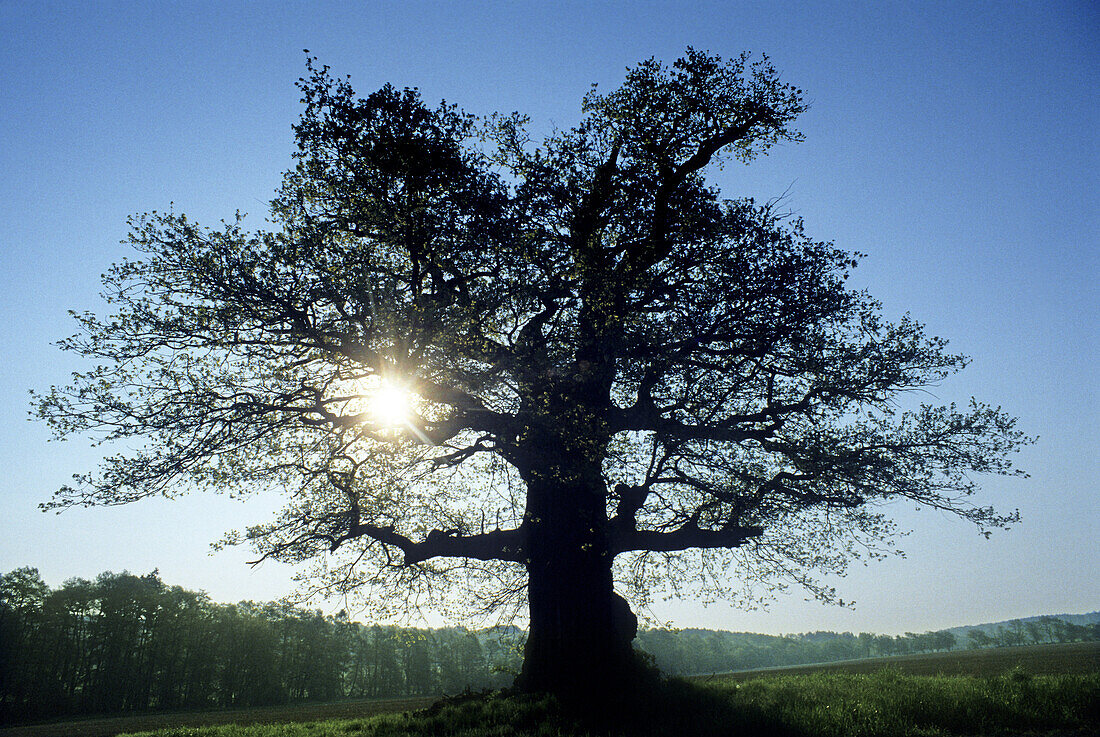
x: 958, y: 630
x: 991, y: 627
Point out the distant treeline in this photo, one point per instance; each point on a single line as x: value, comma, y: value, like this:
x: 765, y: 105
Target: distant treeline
x: 693, y: 651
x: 126, y: 643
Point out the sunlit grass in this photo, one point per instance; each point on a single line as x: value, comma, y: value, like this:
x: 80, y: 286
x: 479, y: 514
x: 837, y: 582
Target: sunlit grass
x: 887, y: 703
x: 821, y: 705
x: 492, y: 716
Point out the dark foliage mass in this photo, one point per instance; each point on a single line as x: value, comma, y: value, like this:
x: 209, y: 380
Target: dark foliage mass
x: 620, y: 378
x: 125, y: 643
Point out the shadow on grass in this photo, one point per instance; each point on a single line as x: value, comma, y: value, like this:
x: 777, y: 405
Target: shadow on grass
x: 676, y: 707
x: 885, y: 704
x: 672, y: 708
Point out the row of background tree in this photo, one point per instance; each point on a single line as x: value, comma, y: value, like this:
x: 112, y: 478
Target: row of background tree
x: 131, y: 643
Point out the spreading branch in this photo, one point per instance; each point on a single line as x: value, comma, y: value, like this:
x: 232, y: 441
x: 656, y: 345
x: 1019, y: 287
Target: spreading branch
x: 506, y: 545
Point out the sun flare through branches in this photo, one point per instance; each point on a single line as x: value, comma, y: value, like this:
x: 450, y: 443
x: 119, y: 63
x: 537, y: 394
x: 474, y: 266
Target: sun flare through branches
x: 564, y: 368
x: 390, y: 404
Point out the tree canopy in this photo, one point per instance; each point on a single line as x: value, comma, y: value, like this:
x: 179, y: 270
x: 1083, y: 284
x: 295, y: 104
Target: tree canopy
x: 527, y: 372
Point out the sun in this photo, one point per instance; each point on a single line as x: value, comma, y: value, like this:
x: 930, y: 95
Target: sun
x: 390, y: 404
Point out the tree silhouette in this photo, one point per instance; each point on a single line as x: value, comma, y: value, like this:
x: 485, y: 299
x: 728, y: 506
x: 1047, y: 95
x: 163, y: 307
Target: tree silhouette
x: 611, y: 370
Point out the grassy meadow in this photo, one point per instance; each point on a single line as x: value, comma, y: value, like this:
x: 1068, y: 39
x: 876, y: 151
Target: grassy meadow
x: 171, y: 722
x: 814, y: 705
x: 1055, y: 659
x: 1036, y: 690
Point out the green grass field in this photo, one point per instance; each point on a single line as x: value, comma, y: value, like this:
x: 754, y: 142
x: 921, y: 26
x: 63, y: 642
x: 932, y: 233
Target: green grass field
x: 1038, y: 690
x: 885, y: 704
x: 1071, y: 657
x: 293, y: 713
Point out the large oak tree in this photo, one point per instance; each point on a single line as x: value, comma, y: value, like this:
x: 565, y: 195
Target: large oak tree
x: 613, y: 373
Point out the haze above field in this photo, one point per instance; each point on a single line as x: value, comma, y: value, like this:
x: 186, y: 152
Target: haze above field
x: 952, y: 146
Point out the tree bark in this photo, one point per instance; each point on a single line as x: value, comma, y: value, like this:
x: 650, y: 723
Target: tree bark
x: 579, y: 642
x: 580, y: 632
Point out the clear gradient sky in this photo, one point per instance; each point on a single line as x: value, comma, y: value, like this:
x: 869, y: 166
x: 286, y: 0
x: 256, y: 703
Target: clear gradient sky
x: 953, y: 143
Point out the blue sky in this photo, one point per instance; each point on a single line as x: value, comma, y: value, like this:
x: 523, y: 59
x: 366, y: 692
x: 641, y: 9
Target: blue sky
x: 953, y: 143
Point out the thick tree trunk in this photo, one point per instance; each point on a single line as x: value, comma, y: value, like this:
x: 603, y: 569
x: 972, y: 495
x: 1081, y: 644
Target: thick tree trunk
x: 579, y: 642
x: 580, y: 635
